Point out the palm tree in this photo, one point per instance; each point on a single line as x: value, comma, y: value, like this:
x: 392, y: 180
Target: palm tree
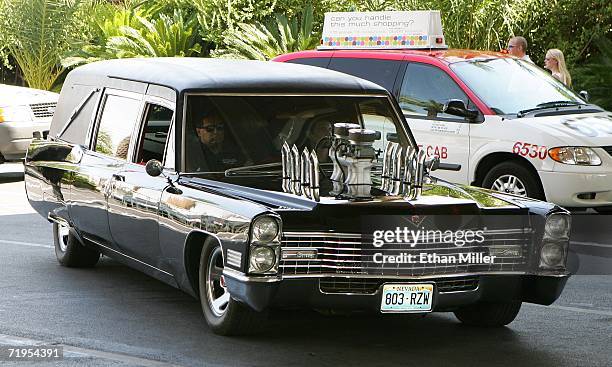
x: 38, y: 32
x: 128, y: 33
x: 261, y: 41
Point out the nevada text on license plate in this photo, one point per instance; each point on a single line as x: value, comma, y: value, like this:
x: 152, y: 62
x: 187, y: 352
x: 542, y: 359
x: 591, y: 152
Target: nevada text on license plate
x: 407, y: 298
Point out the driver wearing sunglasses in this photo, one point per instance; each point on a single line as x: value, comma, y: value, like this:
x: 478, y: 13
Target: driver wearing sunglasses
x: 218, y: 153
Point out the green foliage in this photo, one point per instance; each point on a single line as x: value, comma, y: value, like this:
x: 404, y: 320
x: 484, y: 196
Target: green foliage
x: 126, y: 32
x: 596, y: 76
x: 166, y: 36
x: 219, y: 18
x: 37, y: 33
x: 263, y: 41
x: 571, y: 26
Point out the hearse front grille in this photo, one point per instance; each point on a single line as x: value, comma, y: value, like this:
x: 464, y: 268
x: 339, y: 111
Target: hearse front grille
x: 608, y: 149
x: 353, y: 254
x: 43, y: 110
x: 371, y: 286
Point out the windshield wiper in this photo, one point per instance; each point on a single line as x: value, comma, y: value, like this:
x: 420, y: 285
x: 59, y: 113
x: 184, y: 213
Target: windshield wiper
x: 266, y: 169
x: 551, y: 104
x: 255, y: 170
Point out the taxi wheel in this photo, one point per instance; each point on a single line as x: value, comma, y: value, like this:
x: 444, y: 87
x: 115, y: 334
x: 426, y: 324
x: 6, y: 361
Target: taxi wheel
x: 489, y: 314
x: 224, y: 315
x: 69, y: 250
x: 513, y: 178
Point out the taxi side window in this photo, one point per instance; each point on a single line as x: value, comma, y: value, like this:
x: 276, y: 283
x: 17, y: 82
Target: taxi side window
x: 425, y: 89
x: 381, y: 72
x: 321, y: 62
x: 117, y: 122
x: 154, y: 136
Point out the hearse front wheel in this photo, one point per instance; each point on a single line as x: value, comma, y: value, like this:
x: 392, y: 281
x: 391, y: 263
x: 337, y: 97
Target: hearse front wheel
x: 224, y: 315
x: 69, y: 251
x: 489, y: 314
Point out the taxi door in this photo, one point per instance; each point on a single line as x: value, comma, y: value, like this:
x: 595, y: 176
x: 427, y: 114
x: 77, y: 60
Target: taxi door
x: 421, y: 94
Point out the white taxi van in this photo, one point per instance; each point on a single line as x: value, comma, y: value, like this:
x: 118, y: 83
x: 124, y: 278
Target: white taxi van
x: 508, y: 123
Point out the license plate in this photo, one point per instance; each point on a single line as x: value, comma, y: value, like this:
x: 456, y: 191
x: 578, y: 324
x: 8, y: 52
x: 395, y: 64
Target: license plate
x: 407, y: 297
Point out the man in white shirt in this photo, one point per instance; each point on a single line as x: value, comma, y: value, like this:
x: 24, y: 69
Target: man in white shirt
x: 517, y: 47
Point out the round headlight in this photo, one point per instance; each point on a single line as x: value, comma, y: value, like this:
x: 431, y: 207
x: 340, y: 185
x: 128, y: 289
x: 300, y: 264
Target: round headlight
x: 552, y: 254
x: 262, y: 258
x: 557, y: 226
x: 265, y: 229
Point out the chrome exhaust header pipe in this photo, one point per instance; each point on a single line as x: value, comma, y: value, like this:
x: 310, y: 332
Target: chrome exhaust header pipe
x: 314, y: 175
x: 396, y: 178
x: 296, y: 187
x: 286, y: 170
x: 386, y: 167
x: 305, y: 174
x: 407, y: 184
x: 391, y: 155
x: 419, y: 174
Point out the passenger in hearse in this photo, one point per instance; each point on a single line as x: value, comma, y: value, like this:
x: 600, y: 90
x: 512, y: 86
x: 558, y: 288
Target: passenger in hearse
x: 218, y: 153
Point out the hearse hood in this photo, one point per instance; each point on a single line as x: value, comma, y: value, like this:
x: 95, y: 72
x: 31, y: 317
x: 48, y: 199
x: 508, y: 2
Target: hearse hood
x: 438, y: 197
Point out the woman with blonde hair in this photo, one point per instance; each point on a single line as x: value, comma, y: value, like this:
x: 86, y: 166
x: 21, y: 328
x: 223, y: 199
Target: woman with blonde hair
x: 555, y: 62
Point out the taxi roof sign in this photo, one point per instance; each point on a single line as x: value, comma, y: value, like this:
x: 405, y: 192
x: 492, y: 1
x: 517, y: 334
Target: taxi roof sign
x: 383, y: 29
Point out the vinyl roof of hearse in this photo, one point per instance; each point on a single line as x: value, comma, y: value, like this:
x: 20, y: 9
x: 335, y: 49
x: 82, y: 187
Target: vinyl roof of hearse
x: 224, y: 75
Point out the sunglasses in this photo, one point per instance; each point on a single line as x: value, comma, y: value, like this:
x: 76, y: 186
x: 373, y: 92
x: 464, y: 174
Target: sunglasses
x: 211, y: 128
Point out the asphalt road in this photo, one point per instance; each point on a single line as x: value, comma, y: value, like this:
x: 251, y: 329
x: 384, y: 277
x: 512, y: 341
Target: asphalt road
x: 114, y: 316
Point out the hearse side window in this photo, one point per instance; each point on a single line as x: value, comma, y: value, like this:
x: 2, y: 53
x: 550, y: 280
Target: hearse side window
x: 321, y: 62
x: 152, y: 141
x: 381, y: 72
x: 84, y: 97
x: 426, y: 89
x: 224, y: 132
x: 116, y: 125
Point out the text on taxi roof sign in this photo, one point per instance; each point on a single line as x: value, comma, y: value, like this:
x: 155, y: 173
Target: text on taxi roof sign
x: 383, y: 29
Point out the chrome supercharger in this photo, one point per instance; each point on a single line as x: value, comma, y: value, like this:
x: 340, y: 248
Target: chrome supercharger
x: 353, y: 157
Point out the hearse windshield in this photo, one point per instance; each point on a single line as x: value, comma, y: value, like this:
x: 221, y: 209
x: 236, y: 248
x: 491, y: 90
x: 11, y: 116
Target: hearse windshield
x: 509, y: 86
x: 225, y: 132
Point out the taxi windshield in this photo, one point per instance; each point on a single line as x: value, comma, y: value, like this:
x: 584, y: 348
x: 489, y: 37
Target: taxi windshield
x: 509, y: 86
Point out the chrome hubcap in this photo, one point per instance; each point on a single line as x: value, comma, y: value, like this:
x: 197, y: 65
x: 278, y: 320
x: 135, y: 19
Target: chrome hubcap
x: 510, y: 184
x: 216, y: 293
x: 63, y: 231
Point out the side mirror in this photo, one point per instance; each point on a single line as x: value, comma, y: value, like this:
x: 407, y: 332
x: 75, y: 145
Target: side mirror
x: 456, y: 107
x: 154, y: 168
x: 434, y: 164
x: 585, y: 95
x: 393, y: 137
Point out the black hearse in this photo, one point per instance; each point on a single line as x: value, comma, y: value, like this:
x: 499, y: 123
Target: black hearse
x: 253, y: 185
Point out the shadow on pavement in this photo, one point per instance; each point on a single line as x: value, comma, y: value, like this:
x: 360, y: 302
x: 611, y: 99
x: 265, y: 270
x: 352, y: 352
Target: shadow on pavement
x: 306, y: 338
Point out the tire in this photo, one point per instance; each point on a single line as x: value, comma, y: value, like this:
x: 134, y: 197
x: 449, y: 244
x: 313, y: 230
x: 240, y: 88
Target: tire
x: 69, y: 251
x: 489, y: 314
x: 526, y: 183
x: 226, y: 317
